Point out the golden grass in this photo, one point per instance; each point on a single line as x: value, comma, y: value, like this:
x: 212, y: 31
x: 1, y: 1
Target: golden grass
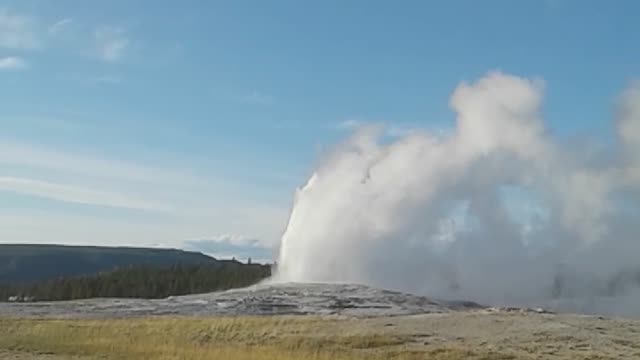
x: 240, y: 338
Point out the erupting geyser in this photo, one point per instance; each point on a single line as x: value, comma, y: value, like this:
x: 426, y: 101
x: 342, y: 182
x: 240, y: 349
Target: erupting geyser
x: 496, y: 211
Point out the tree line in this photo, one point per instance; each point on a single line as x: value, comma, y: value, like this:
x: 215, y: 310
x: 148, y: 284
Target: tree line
x: 142, y: 281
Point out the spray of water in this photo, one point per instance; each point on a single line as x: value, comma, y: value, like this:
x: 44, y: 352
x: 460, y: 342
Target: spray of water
x: 495, y: 211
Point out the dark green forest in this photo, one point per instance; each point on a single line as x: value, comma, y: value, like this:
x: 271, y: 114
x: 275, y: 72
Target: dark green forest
x: 142, y: 281
x: 30, y: 264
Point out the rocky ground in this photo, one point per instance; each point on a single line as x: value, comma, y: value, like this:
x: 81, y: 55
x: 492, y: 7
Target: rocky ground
x: 282, y: 299
x: 425, y: 325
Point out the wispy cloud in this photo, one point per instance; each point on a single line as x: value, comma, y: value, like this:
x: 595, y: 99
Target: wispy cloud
x: 227, y: 246
x: 80, y: 229
x: 111, y: 43
x: 147, y: 202
x: 233, y: 239
x: 59, y: 26
x: 76, y: 194
x: 18, y: 31
x: 27, y: 155
x: 13, y: 63
x: 258, y: 98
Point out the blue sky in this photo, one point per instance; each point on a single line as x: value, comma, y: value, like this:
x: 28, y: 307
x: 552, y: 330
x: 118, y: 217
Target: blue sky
x: 190, y: 124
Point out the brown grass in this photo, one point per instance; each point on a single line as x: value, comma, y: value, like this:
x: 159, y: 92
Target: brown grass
x: 241, y: 338
x: 187, y: 338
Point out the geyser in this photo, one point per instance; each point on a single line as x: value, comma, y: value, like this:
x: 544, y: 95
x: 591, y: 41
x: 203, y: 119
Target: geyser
x: 496, y: 211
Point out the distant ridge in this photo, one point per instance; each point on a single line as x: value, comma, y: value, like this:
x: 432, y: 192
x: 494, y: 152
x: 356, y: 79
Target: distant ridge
x: 29, y: 263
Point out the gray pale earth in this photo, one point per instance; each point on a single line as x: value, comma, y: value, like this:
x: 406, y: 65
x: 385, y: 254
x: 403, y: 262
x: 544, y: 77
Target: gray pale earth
x: 431, y: 323
x: 274, y: 299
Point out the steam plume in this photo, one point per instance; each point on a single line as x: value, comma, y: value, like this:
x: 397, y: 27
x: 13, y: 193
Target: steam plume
x: 495, y: 211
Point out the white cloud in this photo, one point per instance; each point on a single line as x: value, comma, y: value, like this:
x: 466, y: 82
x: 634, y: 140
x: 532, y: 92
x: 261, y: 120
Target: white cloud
x: 227, y: 246
x: 234, y: 239
x: 75, y: 194
x: 111, y: 43
x: 59, y: 26
x: 13, y: 63
x: 18, y: 31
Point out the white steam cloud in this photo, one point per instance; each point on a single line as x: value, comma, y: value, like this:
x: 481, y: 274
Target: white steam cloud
x: 495, y: 212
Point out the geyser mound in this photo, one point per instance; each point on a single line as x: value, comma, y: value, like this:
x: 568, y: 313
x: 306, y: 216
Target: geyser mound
x: 264, y: 299
x: 497, y: 211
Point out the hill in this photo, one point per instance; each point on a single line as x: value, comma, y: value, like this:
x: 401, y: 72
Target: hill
x: 27, y: 264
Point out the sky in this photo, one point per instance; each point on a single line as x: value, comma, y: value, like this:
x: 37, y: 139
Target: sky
x: 190, y: 124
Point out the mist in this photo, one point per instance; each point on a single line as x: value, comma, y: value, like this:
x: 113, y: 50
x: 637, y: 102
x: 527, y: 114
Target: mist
x: 496, y: 211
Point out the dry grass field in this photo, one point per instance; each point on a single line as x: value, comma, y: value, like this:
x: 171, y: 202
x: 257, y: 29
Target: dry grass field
x: 439, y: 337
